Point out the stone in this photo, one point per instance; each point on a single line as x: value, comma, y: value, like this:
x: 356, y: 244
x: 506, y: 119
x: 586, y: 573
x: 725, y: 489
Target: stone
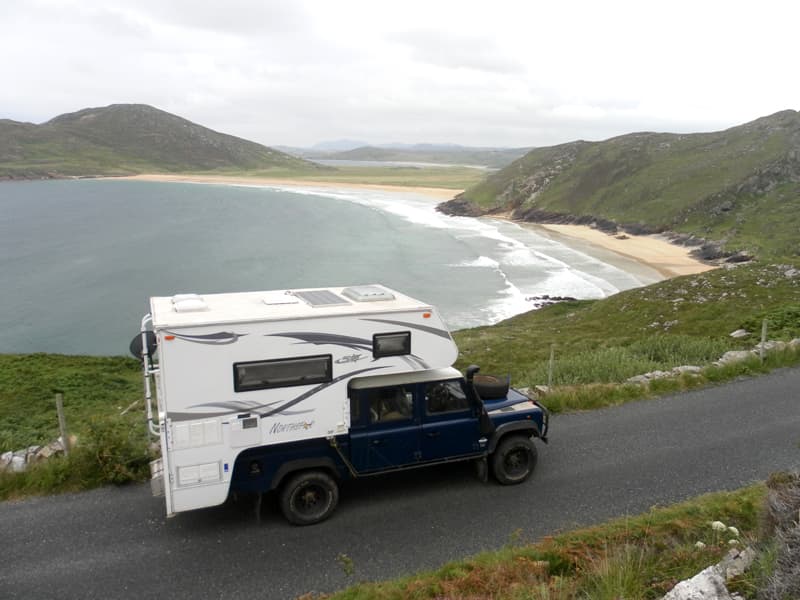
x: 30, y: 453
x: 706, y: 585
x: 51, y: 449
x: 18, y: 463
x: 693, y: 369
x: 736, y: 562
x: 770, y: 345
x: 5, y: 460
x: 739, y: 333
x: 733, y: 356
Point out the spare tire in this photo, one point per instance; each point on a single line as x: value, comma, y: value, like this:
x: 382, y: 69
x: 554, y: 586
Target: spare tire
x: 490, y: 387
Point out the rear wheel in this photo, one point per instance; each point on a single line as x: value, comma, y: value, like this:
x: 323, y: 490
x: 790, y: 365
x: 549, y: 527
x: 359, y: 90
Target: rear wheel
x: 309, y: 497
x: 514, y: 459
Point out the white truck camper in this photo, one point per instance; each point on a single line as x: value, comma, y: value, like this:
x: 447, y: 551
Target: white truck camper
x: 294, y: 390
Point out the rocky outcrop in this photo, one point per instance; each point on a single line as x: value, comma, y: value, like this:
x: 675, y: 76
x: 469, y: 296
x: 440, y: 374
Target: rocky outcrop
x: 710, y: 584
x: 460, y: 207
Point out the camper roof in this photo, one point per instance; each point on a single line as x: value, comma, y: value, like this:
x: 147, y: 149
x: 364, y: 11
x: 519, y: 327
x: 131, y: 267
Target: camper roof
x: 374, y: 381
x: 206, y: 309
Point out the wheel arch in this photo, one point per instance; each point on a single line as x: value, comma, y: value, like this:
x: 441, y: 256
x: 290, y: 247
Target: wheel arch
x: 322, y: 463
x: 527, y: 428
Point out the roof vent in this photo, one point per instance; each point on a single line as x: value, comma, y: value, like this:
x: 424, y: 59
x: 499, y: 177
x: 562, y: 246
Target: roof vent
x: 188, y: 303
x: 367, y: 293
x: 278, y: 298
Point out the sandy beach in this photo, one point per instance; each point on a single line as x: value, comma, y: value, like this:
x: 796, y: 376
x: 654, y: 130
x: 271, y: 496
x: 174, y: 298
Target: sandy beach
x: 437, y: 193
x: 650, y: 251
x: 654, y: 251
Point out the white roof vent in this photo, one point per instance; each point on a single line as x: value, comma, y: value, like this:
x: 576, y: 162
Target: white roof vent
x: 188, y: 303
x: 367, y: 293
x: 278, y: 298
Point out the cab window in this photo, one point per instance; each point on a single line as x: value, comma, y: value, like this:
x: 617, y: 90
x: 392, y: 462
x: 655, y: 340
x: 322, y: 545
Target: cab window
x: 393, y: 403
x: 445, y: 397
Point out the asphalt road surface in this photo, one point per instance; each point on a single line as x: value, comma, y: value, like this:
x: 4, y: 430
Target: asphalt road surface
x: 116, y: 543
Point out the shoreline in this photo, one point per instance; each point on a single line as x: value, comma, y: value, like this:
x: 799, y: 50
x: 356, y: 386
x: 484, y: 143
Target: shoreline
x: 633, y: 253
x: 438, y: 193
x: 654, y: 251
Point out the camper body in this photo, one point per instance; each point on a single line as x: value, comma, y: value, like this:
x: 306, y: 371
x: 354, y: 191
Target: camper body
x: 295, y: 390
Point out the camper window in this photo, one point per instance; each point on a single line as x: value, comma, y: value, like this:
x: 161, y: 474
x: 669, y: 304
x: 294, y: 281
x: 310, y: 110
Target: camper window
x: 391, y: 344
x: 283, y: 372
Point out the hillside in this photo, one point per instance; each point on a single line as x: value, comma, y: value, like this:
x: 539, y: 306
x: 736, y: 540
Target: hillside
x: 125, y: 139
x: 730, y: 186
x: 428, y: 153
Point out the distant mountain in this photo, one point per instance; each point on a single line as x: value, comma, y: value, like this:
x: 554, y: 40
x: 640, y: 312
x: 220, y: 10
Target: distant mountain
x: 337, y: 145
x: 126, y: 139
x: 739, y: 187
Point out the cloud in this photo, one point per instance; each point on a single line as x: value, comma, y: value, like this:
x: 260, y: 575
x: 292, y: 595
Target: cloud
x: 509, y: 73
x: 456, y: 50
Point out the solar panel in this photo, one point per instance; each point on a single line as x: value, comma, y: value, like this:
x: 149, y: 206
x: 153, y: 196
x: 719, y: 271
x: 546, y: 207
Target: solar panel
x: 321, y: 298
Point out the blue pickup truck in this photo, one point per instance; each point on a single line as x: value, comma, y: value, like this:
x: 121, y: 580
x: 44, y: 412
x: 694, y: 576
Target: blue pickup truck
x: 397, y: 422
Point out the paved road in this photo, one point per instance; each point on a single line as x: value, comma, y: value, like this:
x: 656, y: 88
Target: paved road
x: 115, y: 543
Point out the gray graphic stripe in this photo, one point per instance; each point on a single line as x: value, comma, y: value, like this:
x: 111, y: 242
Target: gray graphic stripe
x: 435, y: 331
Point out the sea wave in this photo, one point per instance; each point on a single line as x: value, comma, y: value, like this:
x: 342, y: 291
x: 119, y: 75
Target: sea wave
x: 528, y: 265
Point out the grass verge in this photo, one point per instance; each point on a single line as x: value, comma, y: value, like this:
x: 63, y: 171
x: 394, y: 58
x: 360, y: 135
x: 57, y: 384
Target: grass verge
x: 635, y: 557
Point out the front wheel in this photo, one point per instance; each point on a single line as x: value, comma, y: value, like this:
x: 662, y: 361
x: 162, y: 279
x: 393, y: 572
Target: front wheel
x: 514, y: 459
x: 309, y: 498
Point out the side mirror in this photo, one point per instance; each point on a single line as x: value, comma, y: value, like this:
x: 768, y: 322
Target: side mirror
x: 472, y: 370
x: 136, y: 344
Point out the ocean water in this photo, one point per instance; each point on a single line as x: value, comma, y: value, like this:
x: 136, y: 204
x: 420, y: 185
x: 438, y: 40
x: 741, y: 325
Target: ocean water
x: 79, y: 259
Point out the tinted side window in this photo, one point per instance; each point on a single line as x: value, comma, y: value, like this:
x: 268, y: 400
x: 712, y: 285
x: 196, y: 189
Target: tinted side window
x: 283, y: 372
x: 444, y: 397
x: 391, y: 344
x: 393, y: 403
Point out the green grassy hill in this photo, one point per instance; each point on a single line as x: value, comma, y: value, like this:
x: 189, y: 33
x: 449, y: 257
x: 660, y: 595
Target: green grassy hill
x: 731, y: 186
x: 126, y: 139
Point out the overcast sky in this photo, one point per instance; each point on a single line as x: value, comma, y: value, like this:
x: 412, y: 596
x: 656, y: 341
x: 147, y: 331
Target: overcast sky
x: 491, y: 72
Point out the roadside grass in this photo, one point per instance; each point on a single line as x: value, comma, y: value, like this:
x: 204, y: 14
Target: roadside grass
x: 111, y: 451
x: 566, y: 398
x: 93, y: 386
x: 112, y: 448
x: 641, y: 557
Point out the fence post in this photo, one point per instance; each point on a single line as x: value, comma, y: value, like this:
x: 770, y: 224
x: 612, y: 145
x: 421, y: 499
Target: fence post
x: 62, y: 422
x: 550, y: 366
x: 761, y: 350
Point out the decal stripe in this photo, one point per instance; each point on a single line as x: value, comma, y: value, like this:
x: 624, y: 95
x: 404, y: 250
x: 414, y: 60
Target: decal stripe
x: 219, y: 339
x: 236, y: 408
x: 319, y: 388
x: 440, y: 332
x: 319, y: 339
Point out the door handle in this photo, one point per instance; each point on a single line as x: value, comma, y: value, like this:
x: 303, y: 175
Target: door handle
x: 377, y: 442
x: 433, y: 434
